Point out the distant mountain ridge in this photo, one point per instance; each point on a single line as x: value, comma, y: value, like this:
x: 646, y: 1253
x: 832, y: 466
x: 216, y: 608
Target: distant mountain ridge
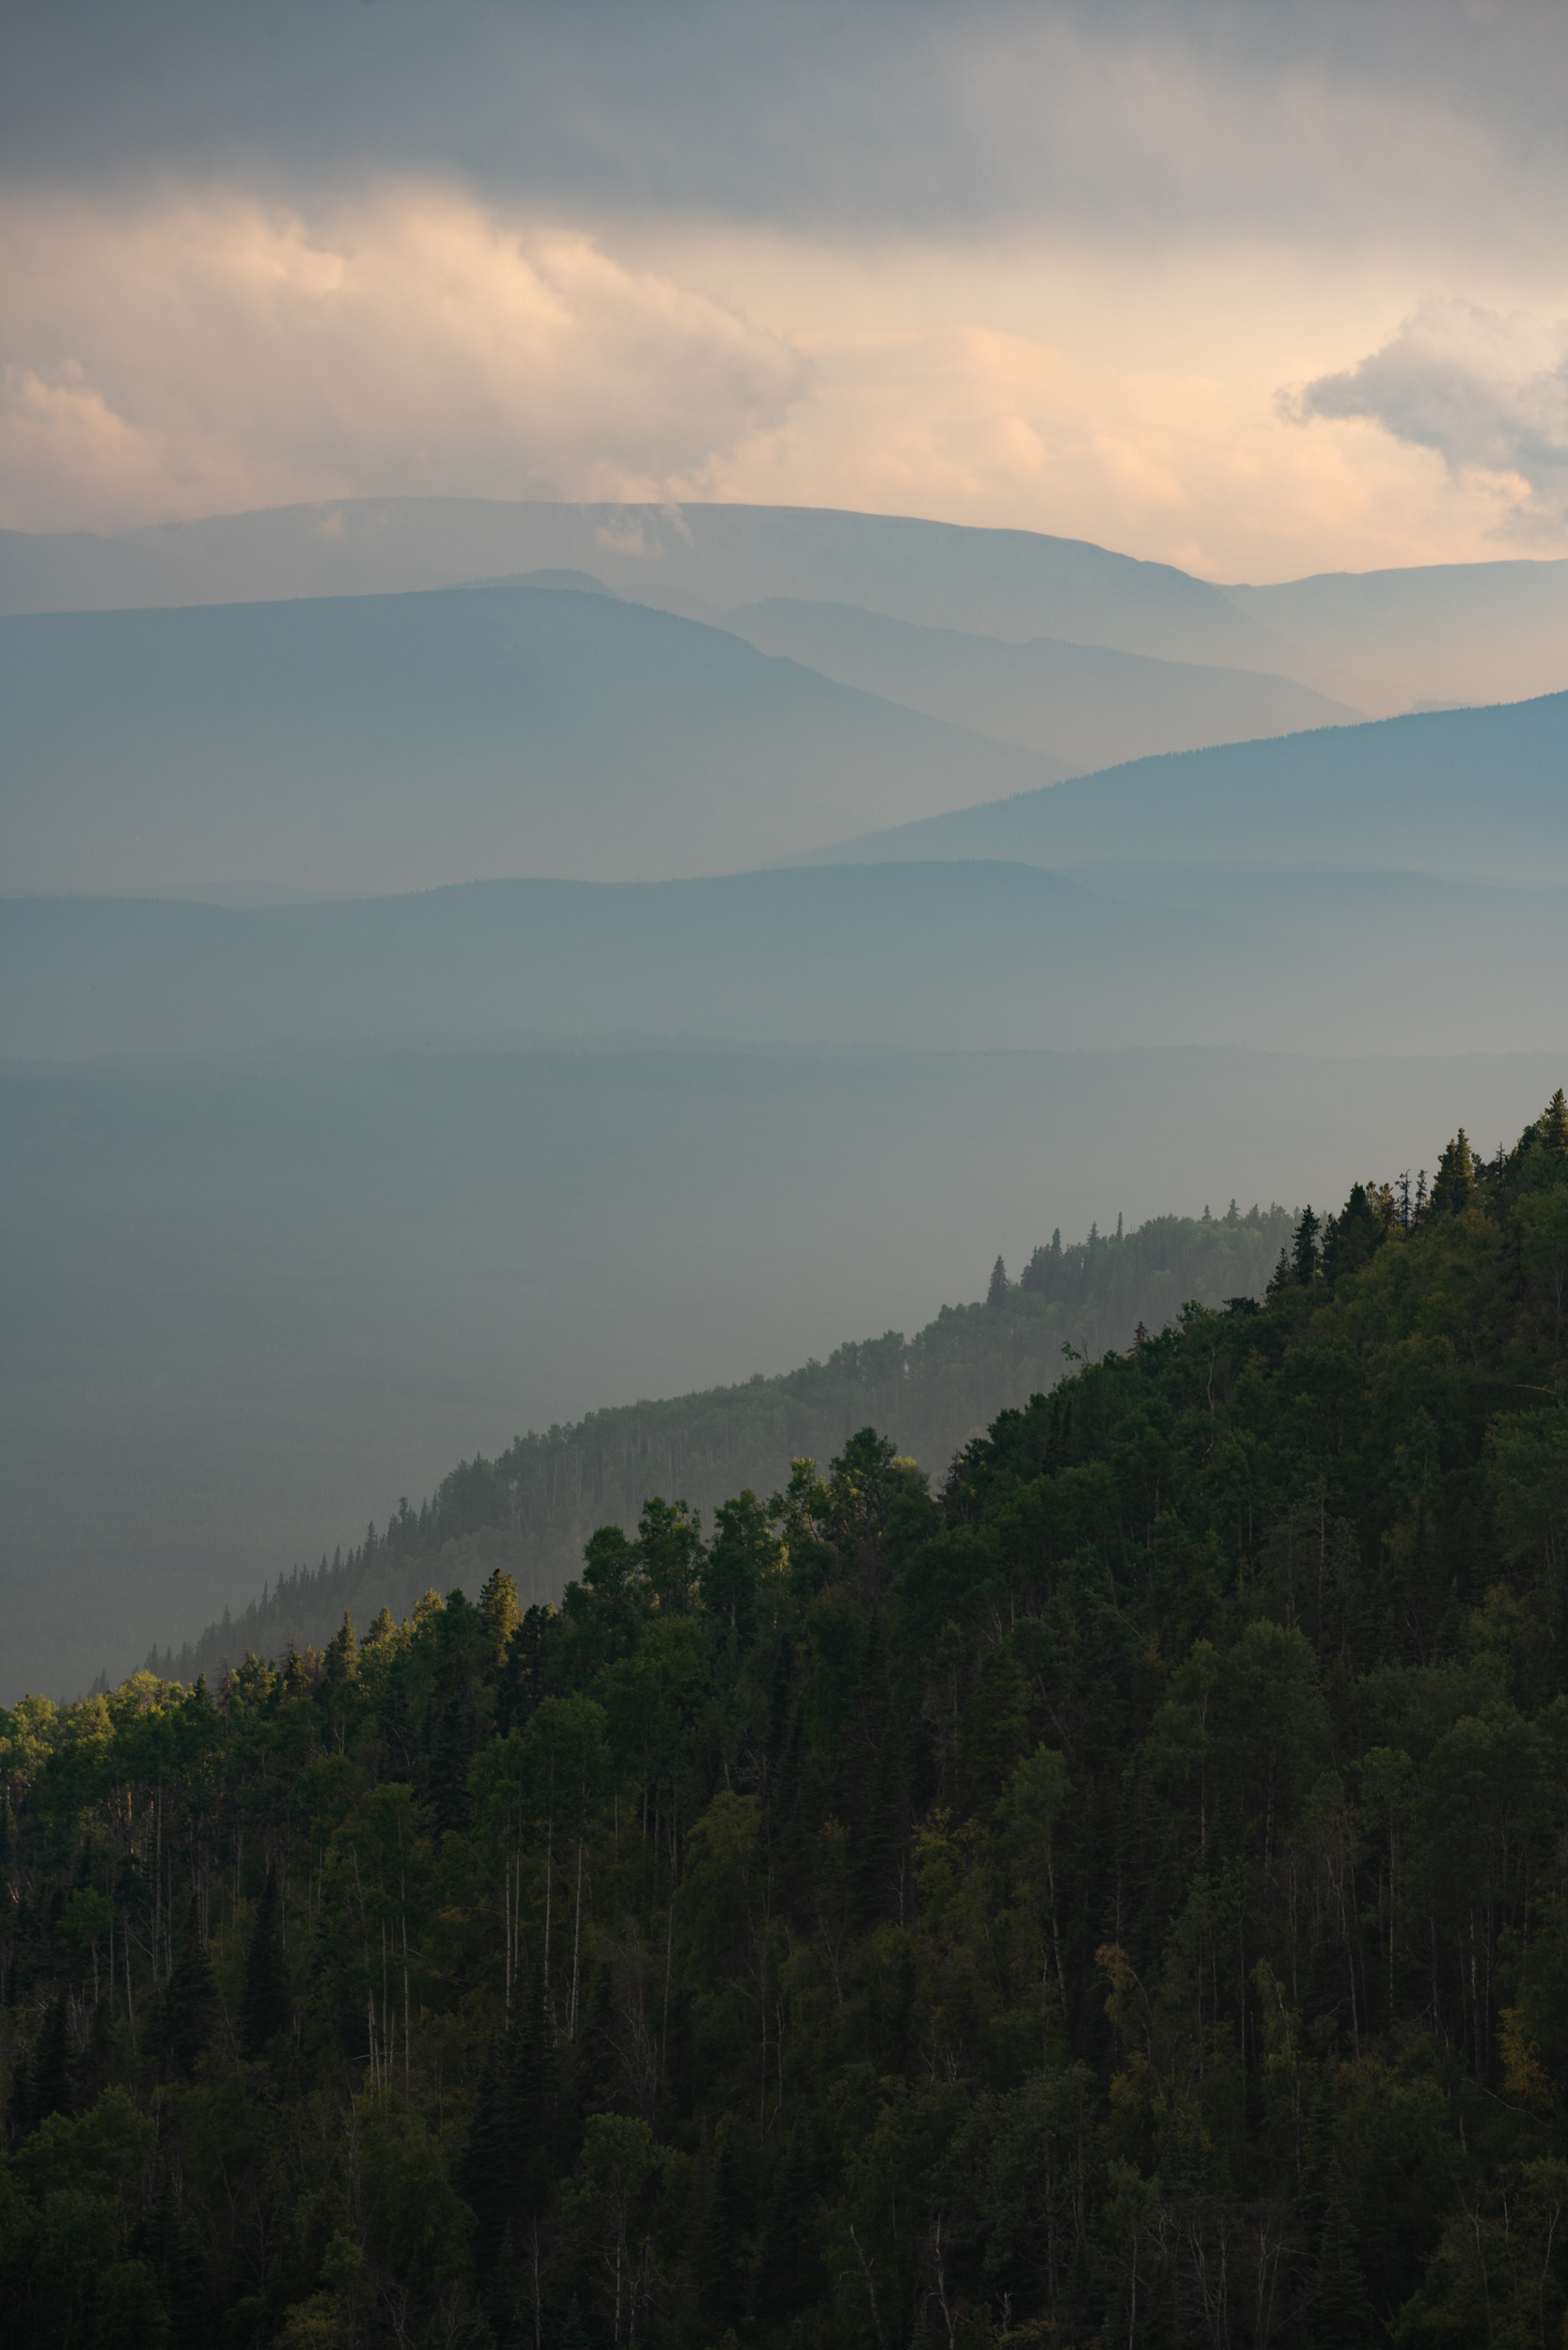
x: 1085, y: 704
x: 1379, y: 640
x: 968, y: 954
x: 1011, y: 583
x: 377, y: 742
x: 1473, y: 794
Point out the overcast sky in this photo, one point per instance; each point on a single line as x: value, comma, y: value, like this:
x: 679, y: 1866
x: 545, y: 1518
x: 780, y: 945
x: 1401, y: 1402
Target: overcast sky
x: 1259, y: 288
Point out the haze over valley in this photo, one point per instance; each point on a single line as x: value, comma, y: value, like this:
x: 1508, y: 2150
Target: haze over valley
x: 809, y: 866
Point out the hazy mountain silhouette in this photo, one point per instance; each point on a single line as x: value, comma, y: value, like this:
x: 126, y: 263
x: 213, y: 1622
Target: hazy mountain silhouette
x: 1013, y: 584
x: 1472, y: 632
x: 913, y: 954
x: 1081, y: 703
x: 1380, y: 640
x: 1477, y: 794
x: 393, y: 741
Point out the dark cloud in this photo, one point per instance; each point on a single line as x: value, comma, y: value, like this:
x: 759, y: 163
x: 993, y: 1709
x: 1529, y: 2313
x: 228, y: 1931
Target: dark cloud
x: 859, y: 113
x: 1488, y: 393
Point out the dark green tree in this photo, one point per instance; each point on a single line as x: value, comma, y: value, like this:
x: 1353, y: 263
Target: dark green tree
x: 189, y: 2002
x: 51, y: 2069
x: 267, y: 2007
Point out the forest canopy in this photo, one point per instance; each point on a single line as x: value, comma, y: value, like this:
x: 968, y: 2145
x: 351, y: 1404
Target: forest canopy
x: 1120, y: 1895
x: 530, y: 1511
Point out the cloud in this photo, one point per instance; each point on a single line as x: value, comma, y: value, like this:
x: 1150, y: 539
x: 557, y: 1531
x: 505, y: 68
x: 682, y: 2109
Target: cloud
x: 1327, y: 121
x: 1487, y: 393
x: 201, y: 351
x: 205, y: 349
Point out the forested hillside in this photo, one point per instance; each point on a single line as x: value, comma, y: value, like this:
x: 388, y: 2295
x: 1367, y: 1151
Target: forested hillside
x: 531, y: 1510
x: 1117, y: 1895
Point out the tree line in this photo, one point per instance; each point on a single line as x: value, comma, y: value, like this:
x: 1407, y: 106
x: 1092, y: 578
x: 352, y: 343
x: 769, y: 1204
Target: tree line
x: 530, y: 1512
x: 1120, y: 1896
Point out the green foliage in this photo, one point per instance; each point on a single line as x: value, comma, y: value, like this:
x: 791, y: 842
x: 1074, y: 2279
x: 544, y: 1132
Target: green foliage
x: 1120, y: 1896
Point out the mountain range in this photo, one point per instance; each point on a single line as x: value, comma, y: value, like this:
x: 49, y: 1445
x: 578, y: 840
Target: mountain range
x: 1378, y: 641
x: 468, y: 964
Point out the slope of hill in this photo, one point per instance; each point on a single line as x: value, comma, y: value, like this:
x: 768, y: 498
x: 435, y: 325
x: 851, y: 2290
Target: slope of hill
x: 392, y: 742
x: 1472, y: 793
x: 1121, y: 1885
x: 1080, y: 704
x: 1452, y: 631
x: 244, y: 1303
x: 531, y: 1509
x: 969, y: 954
x: 1003, y: 583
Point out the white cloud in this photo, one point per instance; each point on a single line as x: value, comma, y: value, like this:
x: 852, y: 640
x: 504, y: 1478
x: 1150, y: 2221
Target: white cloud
x: 1488, y: 393
x: 201, y: 350
x: 205, y: 349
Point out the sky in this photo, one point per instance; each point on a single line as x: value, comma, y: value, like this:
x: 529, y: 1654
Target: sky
x: 1256, y: 287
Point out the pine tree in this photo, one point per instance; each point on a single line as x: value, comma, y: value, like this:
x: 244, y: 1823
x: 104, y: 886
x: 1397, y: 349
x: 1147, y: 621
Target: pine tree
x: 723, y: 2246
x: 1554, y: 1126
x: 789, y: 2269
x: 1454, y: 1183
x: 502, y: 1611
x: 451, y: 1758
x: 1352, y: 1237
x: 341, y: 1661
x: 1304, y: 1252
x: 484, y: 2174
x: 997, y: 1294
x: 1340, y: 2315
x: 268, y: 2006
x: 189, y: 1999
x: 50, y: 2085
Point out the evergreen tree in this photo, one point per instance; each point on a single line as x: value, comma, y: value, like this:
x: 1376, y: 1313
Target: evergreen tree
x: 1340, y: 2315
x: 997, y: 1294
x: 341, y: 1660
x: 789, y: 2274
x: 267, y: 2007
x: 502, y: 1611
x: 51, y: 2081
x: 485, y: 2172
x: 451, y: 1758
x: 1352, y: 1237
x: 725, y: 2249
x: 189, y: 2000
x: 1454, y: 1183
x: 1304, y: 1249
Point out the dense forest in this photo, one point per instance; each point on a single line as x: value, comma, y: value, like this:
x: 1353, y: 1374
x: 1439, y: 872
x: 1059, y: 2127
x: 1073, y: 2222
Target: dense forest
x: 1120, y: 1896
x: 530, y: 1512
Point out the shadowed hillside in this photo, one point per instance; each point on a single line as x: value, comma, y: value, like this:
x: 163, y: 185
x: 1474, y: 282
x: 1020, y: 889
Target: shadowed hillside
x: 530, y: 1511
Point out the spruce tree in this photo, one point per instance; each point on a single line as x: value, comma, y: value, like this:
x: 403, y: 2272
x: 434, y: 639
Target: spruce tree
x: 1454, y: 1183
x: 484, y: 2172
x: 267, y: 2007
x: 997, y: 1294
x: 723, y: 2246
x: 51, y: 2083
x: 789, y: 2268
x: 189, y: 1999
x: 1341, y: 2316
x: 451, y: 1758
